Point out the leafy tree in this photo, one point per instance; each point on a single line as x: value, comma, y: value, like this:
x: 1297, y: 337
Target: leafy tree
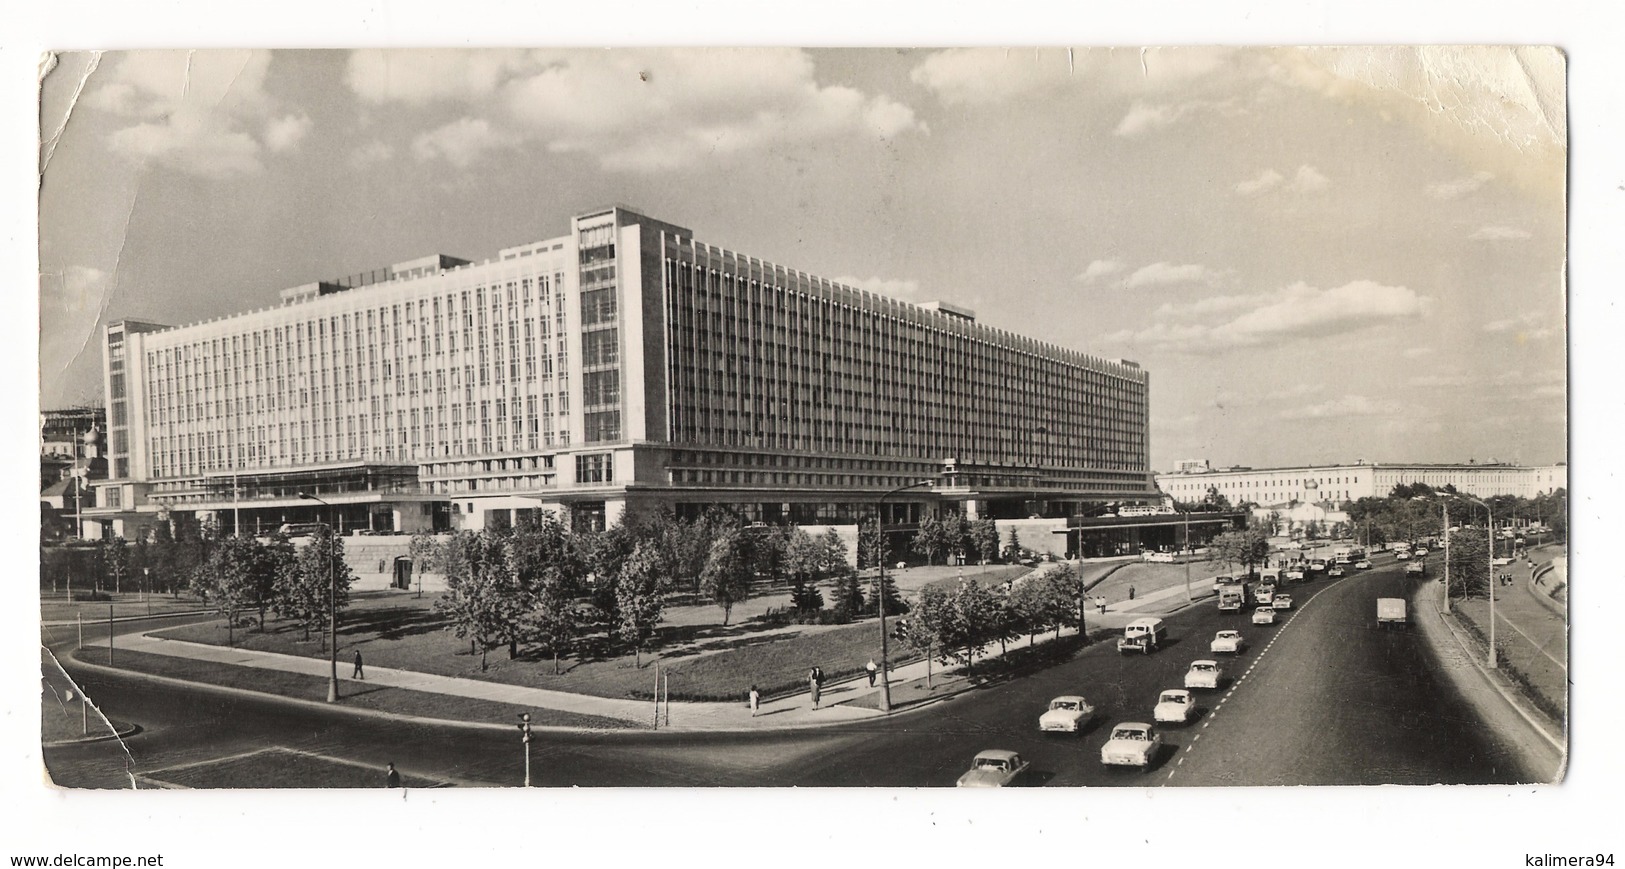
x: 228, y: 578
x: 311, y: 579
x: 1469, y: 563
x: 805, y: 561
x: 934, y: 625
x: 1068, y: 598
x: 480, y: 591
x: 549, y: 577
x: 931, y: 538
x: 873, y: 549
x: 1216, y: 501
x: 1030, y: 603
x: 640, y: 599
x: 1246, y: 548
x: 114, y: 555
x: 770, y: 550
x: 984, y: 535
x: 1312, y: 530
x: 726, y: 578
x: 276, y: 557
x: 978, y: 618
x: 956, y: 536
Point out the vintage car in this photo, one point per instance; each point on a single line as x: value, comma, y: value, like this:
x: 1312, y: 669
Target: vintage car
x: 1403, y: 555
x: 1264, y: 615
x: 1336, y: 570
x: 1227, y: 642
x: 1174, y: 706
x: 1142, y: 635
x: 1282, y: 602
x: 1294, y: 573
x: 1420, y: 551
x: 1132, y: 744
x: 993, y: 768
x: 1068, y: 714
x: 1318, y: 565
x: 1203, y: 674
x: 1363, y: 564
x: 1416, y: 567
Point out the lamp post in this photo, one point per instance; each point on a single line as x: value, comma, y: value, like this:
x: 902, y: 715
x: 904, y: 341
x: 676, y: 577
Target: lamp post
x: 332, y: 603
x: 1489, y: 538
x: 1187, y: 515
x: 880, y: 588
x: 524, y: 730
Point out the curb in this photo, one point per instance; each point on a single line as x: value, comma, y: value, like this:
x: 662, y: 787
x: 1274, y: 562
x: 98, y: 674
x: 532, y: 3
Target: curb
x: 1471, y: 655
x: 128, y: 731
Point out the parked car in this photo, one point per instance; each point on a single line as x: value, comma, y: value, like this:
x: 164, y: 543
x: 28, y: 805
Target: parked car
x: 1068, y: 714
x: 994, y: 768
x: 1227, y: 642
x: 1282, y: 602
x: 1203, y: 674
x: 1264, y: 615
x: 1132, y: 744
x: 1174, y: 706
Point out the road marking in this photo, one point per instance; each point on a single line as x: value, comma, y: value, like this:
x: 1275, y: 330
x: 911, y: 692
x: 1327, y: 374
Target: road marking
x: 1193, y: 741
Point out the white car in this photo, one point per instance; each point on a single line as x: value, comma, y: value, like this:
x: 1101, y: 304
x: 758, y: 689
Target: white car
x: 1362, y: 564
x: 1227, y: 642
x: 993, y: 769
x: 1174, y: 706
x: 1294, y: 574
x: 1068, y: 714
x: 1282, y: 602
x: 1132, y: 744
x: 1336, y: 570
x: 1415, y: 567
x: 1203, y: 674
x: 1264, y: 615
x: 1420, y: 551
x: 1402, y: 555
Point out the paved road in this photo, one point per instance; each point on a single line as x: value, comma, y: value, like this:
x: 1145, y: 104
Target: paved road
x: 1332, y: 702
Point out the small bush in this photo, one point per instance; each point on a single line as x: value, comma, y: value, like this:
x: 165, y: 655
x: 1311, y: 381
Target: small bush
x: 90, y: 596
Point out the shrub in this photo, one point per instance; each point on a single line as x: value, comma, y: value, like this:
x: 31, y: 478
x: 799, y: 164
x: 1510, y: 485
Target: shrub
x: 88, y: 596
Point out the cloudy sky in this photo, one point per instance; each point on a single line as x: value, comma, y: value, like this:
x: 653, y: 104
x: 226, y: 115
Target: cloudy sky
x: 1319, y: 255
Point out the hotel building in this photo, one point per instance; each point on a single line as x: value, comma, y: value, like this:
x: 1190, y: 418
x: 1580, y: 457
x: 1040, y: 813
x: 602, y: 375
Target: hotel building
x: 622, y: 364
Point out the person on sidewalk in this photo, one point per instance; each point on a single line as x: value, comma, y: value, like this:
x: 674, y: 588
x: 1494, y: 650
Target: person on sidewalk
x: 814, y: 682
x: 872, y: 670
x: 357, y: 674
x: 393, y: 779
x: 1100, y: 603
x: 755, y: 701
x: 1131, y: 592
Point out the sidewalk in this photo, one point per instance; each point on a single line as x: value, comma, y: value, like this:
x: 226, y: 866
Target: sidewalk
x: 785, y: 712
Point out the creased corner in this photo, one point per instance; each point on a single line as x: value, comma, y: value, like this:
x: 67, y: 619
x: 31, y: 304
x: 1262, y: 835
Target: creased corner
x: 48, y: 63
x: 68, y: 692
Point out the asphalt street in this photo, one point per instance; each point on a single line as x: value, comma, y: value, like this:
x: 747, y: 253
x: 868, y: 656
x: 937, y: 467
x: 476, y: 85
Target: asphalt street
x: 1333, y: 701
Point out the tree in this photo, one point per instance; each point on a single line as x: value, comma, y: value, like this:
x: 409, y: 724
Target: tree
x: 978, y: 618
x: 1246, y: 548
x: 984, y: 534
x: 228, y: 578
x: 479, y: 593
x: 1216, y: 501
x: 873, y: 549
x: 1030, y: 604
x: 640, y: 600
x: 276, y: 558
x: 549, y: 576
x: 1067, y: 591
x: 1012, y: 549
x: 805, y: 560
x: 726, y: 578
x: 114, y: 555
x: 931, y: 538
x: 324, y: 553
x: 933, y: 626
x: 1469, y: 563
x: 956, y: 536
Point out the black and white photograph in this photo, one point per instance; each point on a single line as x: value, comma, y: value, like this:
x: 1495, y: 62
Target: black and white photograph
x: 453, y: 421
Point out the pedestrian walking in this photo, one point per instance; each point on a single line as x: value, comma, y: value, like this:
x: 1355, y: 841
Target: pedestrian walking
x: 1131, y: 592
x: 393, y: 779
x: 813, y: 684
x: 357, y: 674
x: 1100, y: 603
x: 755, y: 701
x: 872, y: 670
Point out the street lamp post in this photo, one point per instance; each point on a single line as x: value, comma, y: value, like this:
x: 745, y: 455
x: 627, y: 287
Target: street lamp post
x: 880, y: 588
x: 332, y: 603
x: 524, y: 729
x: 1187, y: 515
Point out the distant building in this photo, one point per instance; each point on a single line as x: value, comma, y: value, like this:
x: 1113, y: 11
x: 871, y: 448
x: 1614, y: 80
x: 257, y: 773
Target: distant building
x: 1278, y: 488
x: 622, y: 364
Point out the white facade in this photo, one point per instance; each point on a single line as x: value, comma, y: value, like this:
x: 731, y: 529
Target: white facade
x: 1278, y: 487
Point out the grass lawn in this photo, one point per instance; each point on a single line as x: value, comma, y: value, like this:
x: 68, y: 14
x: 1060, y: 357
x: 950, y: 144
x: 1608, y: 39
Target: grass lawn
x: 55, y: 607
x: 704, y: 660
x: 395, y: 700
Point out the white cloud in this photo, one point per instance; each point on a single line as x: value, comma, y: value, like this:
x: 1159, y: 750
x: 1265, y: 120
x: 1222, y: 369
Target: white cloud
x: 1459, y: 187
x: 1307, y: 179
x: 959, y: 76
x: 283, y: 134
x: 1297, y: 312
x: 1298, y: 391
x: 422, y: 76
x: 460, y: 142
x: 1416, y: 352
x: 1162, y: 273
x: 1441, y: 381
x: 371, y: 153
x: 896, y: 288
x: 195, y: 111
x: 1144, y: 117
x: 1268, y: 179
x: 1098, y: 269
x: 1499, y: 233
x: 639, y: 110
x: 1346, y: 406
